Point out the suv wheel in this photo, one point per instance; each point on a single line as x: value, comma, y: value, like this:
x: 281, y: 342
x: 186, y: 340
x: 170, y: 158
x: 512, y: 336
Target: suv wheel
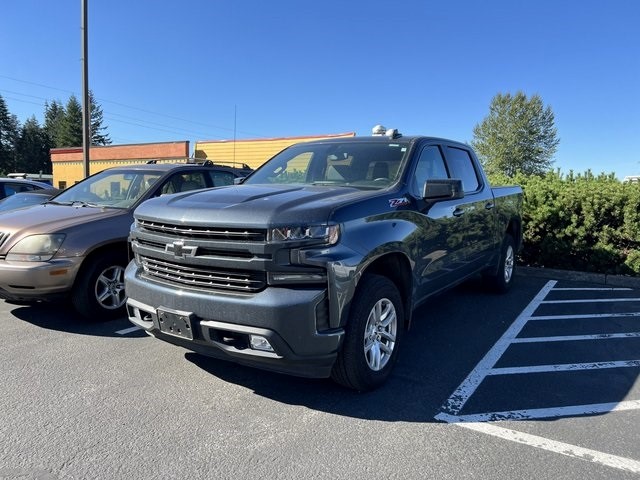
x: 99, y: 289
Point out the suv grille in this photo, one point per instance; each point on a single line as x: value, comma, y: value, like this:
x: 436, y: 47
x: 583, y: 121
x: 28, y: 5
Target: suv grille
x: 204, y: 279
x: 204, y: 233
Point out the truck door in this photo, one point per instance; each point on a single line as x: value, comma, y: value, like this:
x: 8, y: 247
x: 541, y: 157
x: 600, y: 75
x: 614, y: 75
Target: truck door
x: 437, y: 244
x: 475, y: 212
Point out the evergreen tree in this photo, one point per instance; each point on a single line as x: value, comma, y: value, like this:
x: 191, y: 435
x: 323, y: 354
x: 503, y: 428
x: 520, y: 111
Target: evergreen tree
x: 97, y: 129
x: 518, y: 135
x: 9, y: 126
x: 70, y: 134
x: 53, y: 119
x: 32, y: 148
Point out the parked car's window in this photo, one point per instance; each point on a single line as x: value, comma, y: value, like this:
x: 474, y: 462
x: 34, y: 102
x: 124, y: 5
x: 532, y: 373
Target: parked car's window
x: 461, y: 167
x: 220, y: 179
x: 185, y: 181
x: 430, y: 166
x: 361, y: 164
x: 110, y: 189
x: 13, y: 188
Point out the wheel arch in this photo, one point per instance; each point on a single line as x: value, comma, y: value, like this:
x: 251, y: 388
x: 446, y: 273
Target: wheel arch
x: 119, y: 247
x: 397, y: 268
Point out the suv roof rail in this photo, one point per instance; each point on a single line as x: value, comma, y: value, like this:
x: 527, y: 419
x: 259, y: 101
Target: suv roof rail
x: 231, y: 163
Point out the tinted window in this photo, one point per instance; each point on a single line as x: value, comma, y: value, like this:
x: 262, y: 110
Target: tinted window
x: 182, y: 182
x: 221, y: 178
x: 461, y: 167
x: 430, y: 165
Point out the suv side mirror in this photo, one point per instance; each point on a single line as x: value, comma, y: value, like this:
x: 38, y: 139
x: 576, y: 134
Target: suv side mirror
x: 442, y: 189
x: 238, y: 180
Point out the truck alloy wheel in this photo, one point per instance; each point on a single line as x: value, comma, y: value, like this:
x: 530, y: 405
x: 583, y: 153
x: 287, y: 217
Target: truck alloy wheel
x: 380, y: 334
x: 372, y: 335
x: 500, y: 280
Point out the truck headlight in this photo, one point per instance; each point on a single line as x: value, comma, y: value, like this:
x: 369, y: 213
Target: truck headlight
x: 330, y: 234
x: 36, y: 248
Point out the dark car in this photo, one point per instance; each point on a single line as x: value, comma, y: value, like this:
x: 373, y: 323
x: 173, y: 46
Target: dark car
x: 75, y: 245
x: 27, y: 199
x: 11, y: 186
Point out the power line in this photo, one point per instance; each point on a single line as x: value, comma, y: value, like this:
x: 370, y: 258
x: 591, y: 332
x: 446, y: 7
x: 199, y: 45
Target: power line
x: 104, y: 100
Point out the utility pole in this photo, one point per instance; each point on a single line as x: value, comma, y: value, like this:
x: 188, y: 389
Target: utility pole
x: 86, y: 107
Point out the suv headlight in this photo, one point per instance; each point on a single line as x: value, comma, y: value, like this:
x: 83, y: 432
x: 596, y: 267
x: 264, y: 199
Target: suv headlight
x: 330, y: 234
x: 36, y: 248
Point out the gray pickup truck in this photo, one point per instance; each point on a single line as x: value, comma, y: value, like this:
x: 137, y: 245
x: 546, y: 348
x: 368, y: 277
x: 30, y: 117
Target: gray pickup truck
x: 315, y: 263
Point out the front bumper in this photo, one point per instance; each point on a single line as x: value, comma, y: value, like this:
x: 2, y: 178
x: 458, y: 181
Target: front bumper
x: 37, y: 280
x: 221, y: 324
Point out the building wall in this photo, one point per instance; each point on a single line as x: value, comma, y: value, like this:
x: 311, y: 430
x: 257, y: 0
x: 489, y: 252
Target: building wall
x: 68, y: 167
x: 251, y: 152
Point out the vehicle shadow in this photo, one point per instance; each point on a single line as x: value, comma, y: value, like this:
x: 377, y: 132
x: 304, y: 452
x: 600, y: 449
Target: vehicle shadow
x: 450, y: 334
x: 62, y: 317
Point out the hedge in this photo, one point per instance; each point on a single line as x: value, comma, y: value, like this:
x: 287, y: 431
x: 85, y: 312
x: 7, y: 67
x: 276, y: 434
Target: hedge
x: 580, y: 222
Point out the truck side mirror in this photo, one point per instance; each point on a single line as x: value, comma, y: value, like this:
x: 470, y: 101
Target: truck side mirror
x: 442, y: 189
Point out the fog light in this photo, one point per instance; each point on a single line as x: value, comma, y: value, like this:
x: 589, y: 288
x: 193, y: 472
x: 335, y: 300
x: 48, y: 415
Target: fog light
x: 260, y: 343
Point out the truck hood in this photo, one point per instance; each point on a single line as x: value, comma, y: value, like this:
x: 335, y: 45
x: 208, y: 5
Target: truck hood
x: 252, y: 205
x: 50, y: 218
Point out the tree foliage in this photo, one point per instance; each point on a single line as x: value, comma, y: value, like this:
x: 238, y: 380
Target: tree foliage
x: 98, y: 134
x: 9, y: 127
x: 32, y: 149
x: 26, y: 148
x: 70, y: 134
x: 518, y: 136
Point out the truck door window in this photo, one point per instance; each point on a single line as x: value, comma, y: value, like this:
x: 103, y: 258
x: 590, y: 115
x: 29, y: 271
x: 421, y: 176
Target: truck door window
x: 430, y: 166
x: 461, y: 166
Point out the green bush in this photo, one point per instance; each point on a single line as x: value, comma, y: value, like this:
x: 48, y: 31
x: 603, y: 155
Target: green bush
x: 580, y: 222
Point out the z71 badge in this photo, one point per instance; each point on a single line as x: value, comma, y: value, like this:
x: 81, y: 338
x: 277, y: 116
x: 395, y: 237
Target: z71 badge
x: 398, y: 202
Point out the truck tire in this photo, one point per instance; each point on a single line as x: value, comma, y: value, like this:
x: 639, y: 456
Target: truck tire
x: 98, y: 293
x: 372, y: 335
x: 502, y: 279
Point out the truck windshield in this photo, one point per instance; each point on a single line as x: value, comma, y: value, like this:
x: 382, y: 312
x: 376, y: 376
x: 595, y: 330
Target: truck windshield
x: 354, y: 164
x: 115, y: 189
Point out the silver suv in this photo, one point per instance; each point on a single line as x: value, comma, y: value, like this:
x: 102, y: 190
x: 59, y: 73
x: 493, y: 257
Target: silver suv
x: 75, y: 245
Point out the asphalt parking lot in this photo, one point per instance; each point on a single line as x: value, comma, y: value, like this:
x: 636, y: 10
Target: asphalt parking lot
x: 539, y: 383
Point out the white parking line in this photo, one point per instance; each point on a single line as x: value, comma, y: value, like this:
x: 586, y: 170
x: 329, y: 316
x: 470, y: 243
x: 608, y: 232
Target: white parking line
x: 620, y: 463
x: 450, y: 411
x: 457, y: 400
x: 575, y: 338
x: 127, y: 330
x: 592, y: 315
x: 569, y: 367
x: 595, y: 300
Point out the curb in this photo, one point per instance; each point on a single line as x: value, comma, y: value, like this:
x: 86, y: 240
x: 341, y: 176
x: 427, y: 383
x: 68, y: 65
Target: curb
x: 600, y: 278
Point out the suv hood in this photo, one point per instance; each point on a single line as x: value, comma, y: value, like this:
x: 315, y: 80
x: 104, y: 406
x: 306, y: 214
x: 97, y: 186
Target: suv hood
x: 252, y: 205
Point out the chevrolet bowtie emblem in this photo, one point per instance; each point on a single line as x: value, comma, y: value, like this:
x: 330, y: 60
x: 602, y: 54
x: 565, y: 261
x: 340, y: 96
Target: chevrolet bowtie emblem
x: 180, y: 250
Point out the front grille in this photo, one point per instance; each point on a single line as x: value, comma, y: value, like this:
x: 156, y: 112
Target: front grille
x: 204, y: 233
x: 201, y: 278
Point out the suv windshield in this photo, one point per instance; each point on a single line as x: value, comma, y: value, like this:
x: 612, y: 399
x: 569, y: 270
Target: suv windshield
x: 115, y: 189
x: 354, y: 164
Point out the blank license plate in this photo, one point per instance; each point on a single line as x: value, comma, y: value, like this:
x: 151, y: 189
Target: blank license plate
x: 177, y: 324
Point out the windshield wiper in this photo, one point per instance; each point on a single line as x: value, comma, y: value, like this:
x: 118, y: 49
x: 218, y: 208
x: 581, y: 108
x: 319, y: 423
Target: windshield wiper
x: 81, y: 203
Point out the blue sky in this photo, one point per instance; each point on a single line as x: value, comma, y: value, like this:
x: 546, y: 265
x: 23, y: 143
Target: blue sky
x: 206, y: 69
